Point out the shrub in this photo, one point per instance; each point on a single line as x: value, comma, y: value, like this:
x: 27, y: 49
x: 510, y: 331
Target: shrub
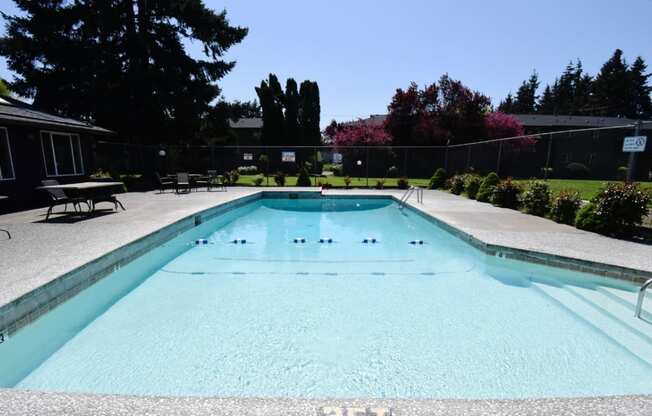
x: 577, y: 170
x: 347, y: 182
x: 472, y: 184
x: 588, y: 219
x: 279, y: 178
x: 456, y: 184
x: 536, y: 199
x: 324, y: 185
x: 506, y: 194
x: 403, y: 183
x: 392, y: 172
x: 438, y: 179
x: 380, y: 183
x: 564, y: 207
x: 487, y: 187
x: 621, y: 206
x: 258, y: 180
x: 247, y: 170
x: 231, y: 177
x: 304, y: 178
x: 337, y: 169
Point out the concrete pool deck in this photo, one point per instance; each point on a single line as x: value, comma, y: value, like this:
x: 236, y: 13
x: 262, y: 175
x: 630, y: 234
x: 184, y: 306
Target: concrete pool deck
x: 40, y: 252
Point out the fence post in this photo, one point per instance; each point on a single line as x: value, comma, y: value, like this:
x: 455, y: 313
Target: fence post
x: 405, y: 159
x: 468, y: 158
x: 446, y: 158
x: 545, y: 173
x: 500, y: 153
x: 367, y: 164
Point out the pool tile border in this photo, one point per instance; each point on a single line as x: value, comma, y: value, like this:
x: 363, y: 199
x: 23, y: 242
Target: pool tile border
x: 585, y: 266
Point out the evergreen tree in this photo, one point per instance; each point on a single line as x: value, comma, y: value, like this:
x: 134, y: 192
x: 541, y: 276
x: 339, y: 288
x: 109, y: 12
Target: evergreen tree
x: 639, y: 103
x: 272, y: 108
x: 526, y: 96
x: 507, y: 105
x: 546, y: 104
x: 4, y: 90
x: 309, y: 113
x: 291, y: 104
x: 120, y: 63
x: 611, y: 87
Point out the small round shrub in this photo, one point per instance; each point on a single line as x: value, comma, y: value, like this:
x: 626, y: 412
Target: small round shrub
x: 622, y: 206
x: 337, y: 169
x: 279, y: 178
x: 588, y: 219
x: 347, y: 182
x: 438, y: 180
x: 392, y: 172
x: 380, y: 183
x: 578, y: 170
x: 258, y: 180
x: 403, y: 183
x: 487, y: 187
x: 472, y: 185
x: 248, y: 170
x: 303, y: 179
x: 536, y: 199
x: 456, y: 184
x: 235, y: 177
x: 506, y: 194
x: 564, y: 207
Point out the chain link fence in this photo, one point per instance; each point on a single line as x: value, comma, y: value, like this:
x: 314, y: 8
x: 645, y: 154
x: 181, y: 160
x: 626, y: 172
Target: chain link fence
x: 577, y: 154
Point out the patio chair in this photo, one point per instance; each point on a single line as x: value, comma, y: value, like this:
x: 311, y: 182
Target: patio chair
x: 217, y: 181
x: 202, y: 181
x: 59, y: 197
x: 164, y: 183
x: 183, y: 181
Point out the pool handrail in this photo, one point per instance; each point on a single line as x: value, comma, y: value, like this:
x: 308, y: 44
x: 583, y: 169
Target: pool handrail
x: 641, y: 297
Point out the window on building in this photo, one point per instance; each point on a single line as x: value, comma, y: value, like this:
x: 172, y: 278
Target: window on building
x: 62, y: 154
x: 6, y: 162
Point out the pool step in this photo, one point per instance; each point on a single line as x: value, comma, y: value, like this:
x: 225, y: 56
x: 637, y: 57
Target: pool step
x: 605, y: 314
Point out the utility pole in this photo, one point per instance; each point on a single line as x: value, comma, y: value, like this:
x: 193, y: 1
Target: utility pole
x: 631, y: 164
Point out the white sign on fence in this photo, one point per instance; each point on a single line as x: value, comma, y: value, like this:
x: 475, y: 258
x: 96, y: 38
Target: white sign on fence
x: 288, y: 157
x: 248, y: 156
x: 337, y: 157
x: 634, y: 144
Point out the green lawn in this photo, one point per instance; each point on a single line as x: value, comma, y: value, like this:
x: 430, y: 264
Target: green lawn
x: 587, y: 188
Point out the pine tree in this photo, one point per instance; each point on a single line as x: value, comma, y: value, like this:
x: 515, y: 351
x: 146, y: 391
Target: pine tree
x: 611, y: 89
x: 507, y: 105
x: 120, y: 63
x: 639, y: 103
x: 526, y: 98
x: 546, y: 104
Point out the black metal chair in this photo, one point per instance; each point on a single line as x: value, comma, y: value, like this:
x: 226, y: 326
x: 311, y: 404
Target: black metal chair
x: 59, y: 197
x: 183, y: 181
x: 164, y: 183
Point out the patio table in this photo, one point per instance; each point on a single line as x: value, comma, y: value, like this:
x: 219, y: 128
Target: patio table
x: 3, y: 197
x: 92, y: 191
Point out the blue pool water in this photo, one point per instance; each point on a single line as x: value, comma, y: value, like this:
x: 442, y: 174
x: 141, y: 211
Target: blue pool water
x: 274, y: 318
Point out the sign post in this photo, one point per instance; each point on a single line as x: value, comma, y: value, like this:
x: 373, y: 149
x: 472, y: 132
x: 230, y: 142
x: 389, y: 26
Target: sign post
x: 634, y: 144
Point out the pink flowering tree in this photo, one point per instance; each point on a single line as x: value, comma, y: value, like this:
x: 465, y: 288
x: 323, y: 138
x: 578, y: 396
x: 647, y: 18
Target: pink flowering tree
x: 499, y: 125
x: 361, y: 134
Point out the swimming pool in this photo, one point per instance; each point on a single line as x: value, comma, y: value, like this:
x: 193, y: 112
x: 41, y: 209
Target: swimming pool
x: 275, y: 318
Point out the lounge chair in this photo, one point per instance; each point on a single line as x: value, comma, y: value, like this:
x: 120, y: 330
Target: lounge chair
x: 164, y: 183
x: 59, y: 197
x: 183, y: 181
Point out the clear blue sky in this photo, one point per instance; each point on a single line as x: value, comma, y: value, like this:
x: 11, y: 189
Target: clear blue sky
x: 360, y: 51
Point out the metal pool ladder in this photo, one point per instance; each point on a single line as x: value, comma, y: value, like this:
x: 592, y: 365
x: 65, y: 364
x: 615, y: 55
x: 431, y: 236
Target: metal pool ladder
x: 641, y: 296
x: 409, y: 193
